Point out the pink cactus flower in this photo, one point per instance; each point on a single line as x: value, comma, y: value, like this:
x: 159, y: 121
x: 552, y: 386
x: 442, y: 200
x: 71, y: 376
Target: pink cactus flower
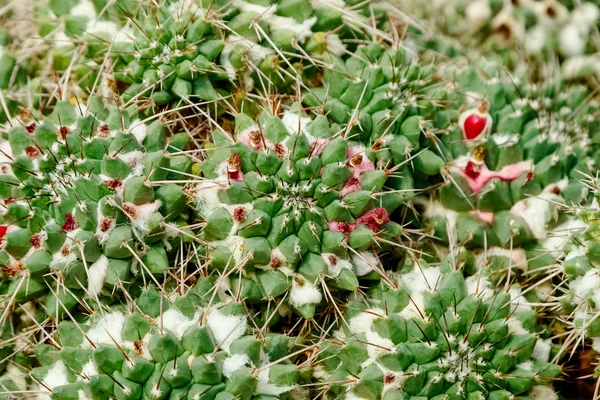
x: 478, y: 175
x: 374, y: 218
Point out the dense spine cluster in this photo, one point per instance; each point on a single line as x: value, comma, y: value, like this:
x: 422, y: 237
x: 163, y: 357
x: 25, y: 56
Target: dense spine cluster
x: 294, y: 202
x: 164, y: 346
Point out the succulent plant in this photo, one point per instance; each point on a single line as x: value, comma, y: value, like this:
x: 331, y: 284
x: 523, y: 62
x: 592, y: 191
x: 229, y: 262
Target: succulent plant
x: 91, y: 201
x: 295, y: 199
x: 516, y: 158
x: 166, y: 346
x: 436, y: 335
x: 185, y: 56
x: 574, y: 247
x: 297, y: 205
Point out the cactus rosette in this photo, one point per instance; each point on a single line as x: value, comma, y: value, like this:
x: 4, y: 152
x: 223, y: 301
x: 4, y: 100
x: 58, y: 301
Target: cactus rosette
x: 80, y: 210
x: 437, y: 335
x: 513, y: 172
x: 575, y: 249
x: 166, y: 346
x: 186, y: 56
x: 296, y: 205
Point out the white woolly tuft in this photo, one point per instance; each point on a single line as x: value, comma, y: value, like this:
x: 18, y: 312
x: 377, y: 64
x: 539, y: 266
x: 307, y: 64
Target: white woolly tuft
x: 579, y: 66
x: 233, y: 363
x: 139, y: 131
x: 263, y: 12
x: 301, y: 30
x: 102, y: 27
x: 518, y: 302
x: 535, y: 38
x: 175, y: 322
x: 293, y: 121
x: 335, y: 264
x: 586, y: 287
x: 304, y: 293
x: 264, y: 387
x: 89, y: 370
x: 96, y: 275
x: 518, y: 256
x: 540, y: 392
x: 144, y: 212
x: 560, y: 234
x: 57, y: 375
x: 365, y: 262
x: 334, y: 44
x: 5, y: 157
x: 420, y: 282
x: 541, y: 351
x: 479, y: 286
x: 538, y: 211
x: 135, y: 159
x: 106, y: 326
x: 16, y: 375
x: 226, y: 328
x: 81, y: 395
x: 84, y: 8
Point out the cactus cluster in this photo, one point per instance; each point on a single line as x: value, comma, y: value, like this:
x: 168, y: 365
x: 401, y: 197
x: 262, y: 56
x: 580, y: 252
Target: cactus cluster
x: 290, y: 199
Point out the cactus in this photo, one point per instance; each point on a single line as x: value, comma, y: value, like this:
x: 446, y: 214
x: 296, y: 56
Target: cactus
x: 511, y: 174
x: 185, y: 56
x: 436, y: 335
x: 574, y: 246
x: 92, y: 201
x: 165, y: 346
x: 296, y: 204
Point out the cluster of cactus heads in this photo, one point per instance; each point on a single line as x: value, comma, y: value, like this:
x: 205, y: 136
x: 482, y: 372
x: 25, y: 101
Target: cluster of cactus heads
x: 293, y: 199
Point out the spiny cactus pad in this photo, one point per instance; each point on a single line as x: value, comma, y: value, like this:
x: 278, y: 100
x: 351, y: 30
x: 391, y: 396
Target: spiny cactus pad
x: 184, y: 348
x: 437, y: 336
